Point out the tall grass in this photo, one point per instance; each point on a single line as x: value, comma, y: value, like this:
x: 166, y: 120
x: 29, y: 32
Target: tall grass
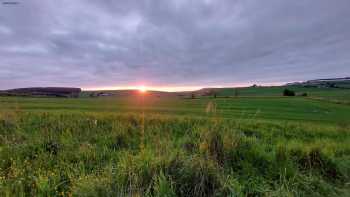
x: 94, y: 154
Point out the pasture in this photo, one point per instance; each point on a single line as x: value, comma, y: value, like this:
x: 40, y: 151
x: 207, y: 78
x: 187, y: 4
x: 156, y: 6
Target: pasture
x: 251, y: 145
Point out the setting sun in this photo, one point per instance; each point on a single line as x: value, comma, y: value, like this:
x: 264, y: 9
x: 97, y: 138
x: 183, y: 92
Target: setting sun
x: 142, y: 89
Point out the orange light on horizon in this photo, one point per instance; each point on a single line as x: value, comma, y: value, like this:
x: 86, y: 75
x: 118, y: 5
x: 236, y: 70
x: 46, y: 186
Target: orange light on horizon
x: 143, y: 88
x: 147, y: 88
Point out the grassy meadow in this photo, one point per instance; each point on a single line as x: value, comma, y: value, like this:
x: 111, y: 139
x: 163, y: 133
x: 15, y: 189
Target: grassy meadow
x: 251, y: 145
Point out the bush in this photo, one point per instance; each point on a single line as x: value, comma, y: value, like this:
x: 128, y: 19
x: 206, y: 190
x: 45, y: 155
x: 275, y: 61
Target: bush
x: 287, y: 92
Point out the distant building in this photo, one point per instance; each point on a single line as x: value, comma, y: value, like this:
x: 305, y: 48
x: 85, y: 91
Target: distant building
x: 104, y: 94
x: 294, y: 84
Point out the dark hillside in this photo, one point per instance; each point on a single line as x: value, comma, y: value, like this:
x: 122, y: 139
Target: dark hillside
x: 43, y: 91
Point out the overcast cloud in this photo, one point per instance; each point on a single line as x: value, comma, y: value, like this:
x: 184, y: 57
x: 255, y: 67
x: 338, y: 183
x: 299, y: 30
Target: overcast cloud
x: 107, y: 43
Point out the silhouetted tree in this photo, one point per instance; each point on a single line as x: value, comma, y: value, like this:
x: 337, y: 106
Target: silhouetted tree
x: 193, y: 96
x: 236, y: 92
x: 287, y: 92
x: 212, y: 93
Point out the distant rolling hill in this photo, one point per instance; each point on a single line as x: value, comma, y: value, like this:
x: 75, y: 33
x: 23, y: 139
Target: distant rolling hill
x: 43, y: 91
x: 333, y: 88
x: 127, y: 93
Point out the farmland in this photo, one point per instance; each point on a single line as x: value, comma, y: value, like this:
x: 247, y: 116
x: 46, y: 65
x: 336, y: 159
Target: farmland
x: 254, y: 144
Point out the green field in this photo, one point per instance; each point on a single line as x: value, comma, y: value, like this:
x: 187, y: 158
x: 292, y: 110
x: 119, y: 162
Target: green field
x: 330, y: 93
x: 268, y: 108
x: 256, y: 144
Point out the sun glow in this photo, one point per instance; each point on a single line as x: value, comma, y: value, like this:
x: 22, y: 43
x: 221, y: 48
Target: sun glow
x: 142, y: 89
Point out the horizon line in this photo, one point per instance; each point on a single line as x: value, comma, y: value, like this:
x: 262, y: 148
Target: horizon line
x: 176, y: 88
x: 155, y: 88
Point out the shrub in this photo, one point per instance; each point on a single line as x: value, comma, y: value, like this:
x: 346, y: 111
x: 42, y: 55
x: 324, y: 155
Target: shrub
x: 287, y: 92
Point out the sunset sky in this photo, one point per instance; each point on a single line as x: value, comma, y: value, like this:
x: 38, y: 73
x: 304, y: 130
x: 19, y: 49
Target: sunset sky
x: 172, y: 44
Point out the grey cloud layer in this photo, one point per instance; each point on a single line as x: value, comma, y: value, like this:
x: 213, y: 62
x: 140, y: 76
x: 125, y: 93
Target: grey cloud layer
x: 175, y: 42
